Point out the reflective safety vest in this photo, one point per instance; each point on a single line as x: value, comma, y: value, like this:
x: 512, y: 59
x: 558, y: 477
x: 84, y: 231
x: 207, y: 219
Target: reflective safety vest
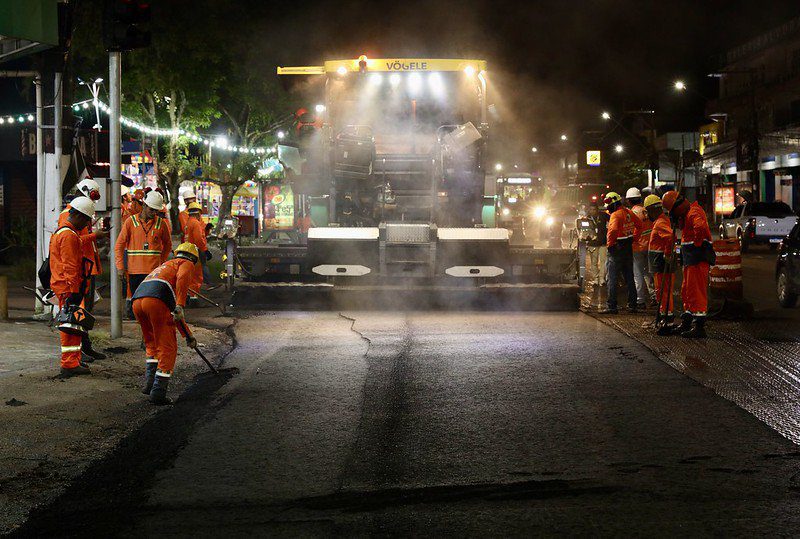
x: 662, y: 243
x: 142, y: 245
x: 623, y: 229
x: 66, y: 259
x: 169, y: 282
x: 642, y: 244
x: 88, y: 242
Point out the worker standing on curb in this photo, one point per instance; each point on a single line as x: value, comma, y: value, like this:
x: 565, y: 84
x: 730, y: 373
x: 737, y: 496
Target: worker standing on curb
x: 196, y: 234
x: 660, y: 259
x: 623, y: 229
x: 159, y: 305
x: 90, y: 189
x: 67, y: 277
x: 641, y: 274
x: 143, y: 244
x: 698, y: 255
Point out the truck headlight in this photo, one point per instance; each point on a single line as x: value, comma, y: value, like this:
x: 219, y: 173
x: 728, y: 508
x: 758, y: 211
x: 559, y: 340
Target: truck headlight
x: 539, y: 212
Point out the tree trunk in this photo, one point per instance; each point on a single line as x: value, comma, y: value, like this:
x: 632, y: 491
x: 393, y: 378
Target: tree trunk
x: 228, y: 191
x: 174, y: 190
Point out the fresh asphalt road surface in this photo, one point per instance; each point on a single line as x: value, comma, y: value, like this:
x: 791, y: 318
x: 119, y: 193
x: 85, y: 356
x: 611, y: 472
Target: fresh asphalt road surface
x: 440, y: 423
x: 758, y: 278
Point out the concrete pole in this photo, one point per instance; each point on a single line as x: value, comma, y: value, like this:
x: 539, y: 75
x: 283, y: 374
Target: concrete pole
x: 58, y: 133
x: 40, y: 246
x: 115, y: 83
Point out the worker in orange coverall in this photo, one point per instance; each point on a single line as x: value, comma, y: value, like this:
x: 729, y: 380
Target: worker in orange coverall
x: 159, y: 308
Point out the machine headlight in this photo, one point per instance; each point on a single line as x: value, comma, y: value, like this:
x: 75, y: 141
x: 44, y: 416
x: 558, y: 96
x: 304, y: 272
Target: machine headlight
x: 549, y: 221
x: 506, y: 211
x: 539, y: 212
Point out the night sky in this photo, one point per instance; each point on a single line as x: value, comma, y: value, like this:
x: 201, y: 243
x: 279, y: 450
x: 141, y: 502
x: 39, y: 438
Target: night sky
x: 555, y: 64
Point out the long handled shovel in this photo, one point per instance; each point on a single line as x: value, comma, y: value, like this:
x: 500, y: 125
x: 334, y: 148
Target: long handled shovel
x: 196, y: 349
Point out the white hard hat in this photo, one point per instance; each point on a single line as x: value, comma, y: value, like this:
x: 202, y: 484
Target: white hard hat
x: 87, y: 185
x: 123, y: 190
x: 633, y: 192
x: 85, y: 205
x: 154, y: 200
x: 187, y: 192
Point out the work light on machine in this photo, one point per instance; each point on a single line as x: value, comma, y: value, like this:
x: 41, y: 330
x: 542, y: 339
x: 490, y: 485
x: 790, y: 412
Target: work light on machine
x: 376, y: 79
x: 341, y: 70
x: 394, y: 78
x: 539, y: 212
x: 469, y: 71
x: 414, y: 83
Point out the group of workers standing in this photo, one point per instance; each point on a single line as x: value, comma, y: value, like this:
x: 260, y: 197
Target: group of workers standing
x: 635, y: 242
x: 157, y: 287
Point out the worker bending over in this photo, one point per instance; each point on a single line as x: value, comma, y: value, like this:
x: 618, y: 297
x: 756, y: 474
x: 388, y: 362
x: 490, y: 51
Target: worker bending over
x: 158, y: 304
x: 195, y: 233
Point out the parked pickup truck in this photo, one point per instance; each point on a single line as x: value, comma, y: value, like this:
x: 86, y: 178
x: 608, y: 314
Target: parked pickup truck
x: 758, y: 223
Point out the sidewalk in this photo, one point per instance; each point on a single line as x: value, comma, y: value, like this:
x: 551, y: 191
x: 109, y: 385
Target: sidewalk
x: 754, y: 363
x: 53, y: 428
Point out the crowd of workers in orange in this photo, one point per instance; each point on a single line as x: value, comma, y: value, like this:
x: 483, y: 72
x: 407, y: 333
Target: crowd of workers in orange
x: 647, y: 227
x: 157, y: 286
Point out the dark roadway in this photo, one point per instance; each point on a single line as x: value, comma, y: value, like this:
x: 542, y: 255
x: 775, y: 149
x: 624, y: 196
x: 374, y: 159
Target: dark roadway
x: 433, y: 424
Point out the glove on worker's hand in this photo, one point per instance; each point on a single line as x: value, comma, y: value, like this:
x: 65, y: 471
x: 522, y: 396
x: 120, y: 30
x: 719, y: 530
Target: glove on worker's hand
x: 177, y: 314
x: 191, y: 342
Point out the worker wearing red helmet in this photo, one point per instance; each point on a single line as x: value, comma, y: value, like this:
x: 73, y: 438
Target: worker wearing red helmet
x: 624, y: 228
x: 697, y: 253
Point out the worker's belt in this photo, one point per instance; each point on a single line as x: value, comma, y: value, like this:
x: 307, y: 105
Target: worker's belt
x: 693, y: 255
x: 623, y: 247
x: 657, y: 260
x: 157, y: 288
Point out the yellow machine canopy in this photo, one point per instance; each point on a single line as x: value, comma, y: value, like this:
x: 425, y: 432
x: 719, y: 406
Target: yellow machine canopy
x: 388, y: 65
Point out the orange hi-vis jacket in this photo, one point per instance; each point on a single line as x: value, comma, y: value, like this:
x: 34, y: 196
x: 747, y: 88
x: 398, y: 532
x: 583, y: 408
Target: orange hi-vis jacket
x: 695, y: 236
x: 88, y: 242
x: 66, y: 261
x: 183, y: 220
x: 662, y: 243
x: 195, y: 232
x: 146, y: 244
x: 169, y: 282
x: 624, y: 228
x: 642, y: 244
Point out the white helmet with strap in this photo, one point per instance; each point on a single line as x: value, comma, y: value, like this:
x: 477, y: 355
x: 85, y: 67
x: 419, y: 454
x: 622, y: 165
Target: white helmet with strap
x: 86, y: 186
x: 633, y: 192
x: 187, y: 192
x: 82, y: 204
x: 154, y: 200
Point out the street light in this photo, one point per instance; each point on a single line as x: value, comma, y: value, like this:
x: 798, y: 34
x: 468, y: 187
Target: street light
x: 564, y: 137
x: 281, y: 134
x: 606, y: 116
x: 619, y: 148
x: 320, y: 108
x: 680, y: 85
x: 498, y: 167
x: 534, y: 149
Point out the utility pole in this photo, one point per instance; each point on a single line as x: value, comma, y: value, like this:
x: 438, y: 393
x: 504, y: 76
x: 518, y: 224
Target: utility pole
x: 115, y: 81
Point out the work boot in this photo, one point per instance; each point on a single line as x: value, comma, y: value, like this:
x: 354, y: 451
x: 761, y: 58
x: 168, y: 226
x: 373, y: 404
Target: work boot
x: 608, y: 310
x: 686, y: 324
x: 87, y: 350
x: 75, y: 371
x: 149, y: 375
x: 86, y: 358
x: 666, y: 326
x: 158, y: 395
x: 697, y: 331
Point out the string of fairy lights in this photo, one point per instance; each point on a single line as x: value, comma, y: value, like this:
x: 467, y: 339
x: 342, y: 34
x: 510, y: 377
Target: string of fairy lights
x: 219, y: 143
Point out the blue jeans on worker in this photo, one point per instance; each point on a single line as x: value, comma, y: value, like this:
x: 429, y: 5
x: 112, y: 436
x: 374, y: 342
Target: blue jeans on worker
x: 621, y: 263
x: 644, y: 279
